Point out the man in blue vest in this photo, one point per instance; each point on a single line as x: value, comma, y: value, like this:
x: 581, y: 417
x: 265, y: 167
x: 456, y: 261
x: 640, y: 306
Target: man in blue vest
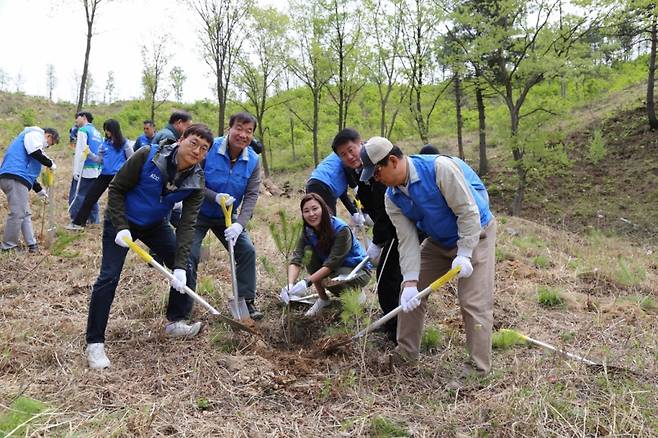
x: 178, y: 123
x: 86, y: 170
x: 232, y: 173
x: 444, y: 198
x: 148, y: 135
x: 330, y: 182
x: 20, y: 168
x: 140, y: 198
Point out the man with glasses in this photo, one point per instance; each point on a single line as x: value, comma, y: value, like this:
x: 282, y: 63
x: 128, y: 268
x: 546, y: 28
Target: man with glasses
x: 444, y: 198
x: 233, y: 175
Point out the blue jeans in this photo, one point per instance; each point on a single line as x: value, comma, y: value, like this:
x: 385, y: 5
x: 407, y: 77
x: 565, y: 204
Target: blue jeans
x: 85, y: 185
x: 245, y: 255
x: 161, y: 239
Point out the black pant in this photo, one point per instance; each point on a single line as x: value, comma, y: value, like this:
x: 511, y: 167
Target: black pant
x: 161, y: 239
x: 325, y: 192
x: 390, y: 282
x: 93, y: 195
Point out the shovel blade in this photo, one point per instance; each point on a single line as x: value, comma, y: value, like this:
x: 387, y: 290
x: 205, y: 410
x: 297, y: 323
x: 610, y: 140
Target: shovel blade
x: 239, y: 309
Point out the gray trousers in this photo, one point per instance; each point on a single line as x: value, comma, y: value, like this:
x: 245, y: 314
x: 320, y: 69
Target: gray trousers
x: 20, y: 217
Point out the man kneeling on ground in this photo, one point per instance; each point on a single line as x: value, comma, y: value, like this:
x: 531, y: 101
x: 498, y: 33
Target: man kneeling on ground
x: 140, y: 199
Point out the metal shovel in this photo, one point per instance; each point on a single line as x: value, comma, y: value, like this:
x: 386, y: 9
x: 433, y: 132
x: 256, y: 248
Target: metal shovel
x: 343, y: 278
x: 237, y: 305
x: 164, y: 271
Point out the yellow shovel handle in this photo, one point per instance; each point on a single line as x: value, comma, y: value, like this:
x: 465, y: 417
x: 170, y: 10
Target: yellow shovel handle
x: 445, y: 278
x: 138, y: 249
x: 227, y: 211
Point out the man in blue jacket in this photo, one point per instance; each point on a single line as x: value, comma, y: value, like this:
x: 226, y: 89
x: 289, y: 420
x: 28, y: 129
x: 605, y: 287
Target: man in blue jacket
x: 232, y: 173
x: 444, y: 198
x: 20, y: 168
x: 178, y: 123
x: 85, y: 169
x: 148, y: 135
x: 140, y: 198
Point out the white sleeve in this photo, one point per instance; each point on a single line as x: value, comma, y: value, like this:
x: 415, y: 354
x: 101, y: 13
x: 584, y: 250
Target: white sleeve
x: 408, y: 245
x: 33, y: 141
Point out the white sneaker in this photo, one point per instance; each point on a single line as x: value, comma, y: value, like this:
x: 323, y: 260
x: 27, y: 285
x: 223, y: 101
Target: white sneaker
x: 179, y: 329
x: 96, y: 356
x: 316, y: 309
x: 73, y: 227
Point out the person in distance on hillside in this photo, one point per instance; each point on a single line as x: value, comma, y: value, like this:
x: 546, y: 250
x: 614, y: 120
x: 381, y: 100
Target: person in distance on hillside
x: 140, y: 198
x: 335, y: 251
x: 85, y: 169
x: 21, y: 165
x: 446, y: 199
x: 148, y: 135
x: 233, y: 174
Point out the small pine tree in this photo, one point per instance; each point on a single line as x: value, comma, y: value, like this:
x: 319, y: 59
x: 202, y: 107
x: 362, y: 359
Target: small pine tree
x: 285, y: 234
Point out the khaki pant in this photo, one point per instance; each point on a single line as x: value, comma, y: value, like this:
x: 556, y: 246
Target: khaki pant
x: 475, y: 298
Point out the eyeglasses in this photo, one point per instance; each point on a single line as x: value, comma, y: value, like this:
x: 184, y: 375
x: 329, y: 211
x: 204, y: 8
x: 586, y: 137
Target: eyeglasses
x: 201, y: 147
x: 378, y: 168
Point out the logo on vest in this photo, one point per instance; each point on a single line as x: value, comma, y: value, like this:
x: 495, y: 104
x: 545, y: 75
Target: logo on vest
x: 154, y: 177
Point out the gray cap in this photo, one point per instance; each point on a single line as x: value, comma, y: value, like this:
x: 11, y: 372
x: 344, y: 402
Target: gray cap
x: 372, y: 152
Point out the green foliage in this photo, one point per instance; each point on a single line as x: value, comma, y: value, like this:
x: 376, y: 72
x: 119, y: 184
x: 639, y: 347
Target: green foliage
x: 267, y: 265
x: 382, y: 427
x: 541, y: 262
x: 648, y: 304
x: 21, y: 412
x: 629, y: 276
x: 506, y: 338
x: 529, y: 242
x: 62, y: 242
x: 206, y: 286
x: 285, y: 234
x: 202, y: 404
x: 352, y: 314
x: 28, y: 117
x: 431, y: 340
x: 223, y: 339
x: 597, y: 148
x: 548, y: 297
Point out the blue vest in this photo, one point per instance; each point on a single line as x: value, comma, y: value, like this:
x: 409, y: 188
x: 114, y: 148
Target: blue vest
x: 353, y: 258
x: 330, y: 171
x: 221, y: 178
x: 17, y: 162
x: 145, y: 204
x: 143, y: 140
x: 428, y: 209
x: 113, y: 159
x: 94, y: 141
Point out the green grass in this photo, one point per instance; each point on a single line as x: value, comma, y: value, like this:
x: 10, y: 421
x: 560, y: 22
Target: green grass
x: 352, y: 314
x: 549, y: 297
x: 506, y: 338
x: 223, y: 339
x: 529, y: 243
x: 20, y: 413
x: 206, y: 286
x: 431, y: 340
x: 541, y: 262
x: 629, y: 276
x: 382, y: 427
x: 62, y: 242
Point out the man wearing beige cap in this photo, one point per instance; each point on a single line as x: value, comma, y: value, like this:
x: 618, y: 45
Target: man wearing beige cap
x: 443, y: 197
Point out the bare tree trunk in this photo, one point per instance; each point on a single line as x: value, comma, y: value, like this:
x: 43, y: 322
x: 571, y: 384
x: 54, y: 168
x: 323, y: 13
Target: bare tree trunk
x: 316, y: 112
x: 458, y: 111
x: 521, y: 172
x: 382, y: 118
x: 85, y: 68
x: 651, y: 104
x: 261, y: 134
x: 482, y: 126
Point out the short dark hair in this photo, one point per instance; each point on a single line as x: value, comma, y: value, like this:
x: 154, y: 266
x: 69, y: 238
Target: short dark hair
x: 86, y: 114
x: 345, y: 136
x: 183, y: 116
x: 200, y: 130
x: 149, y: 122
x: 429, y: 149
x: 242, y: 117
x: 53, y: 132
x: 395, y: 151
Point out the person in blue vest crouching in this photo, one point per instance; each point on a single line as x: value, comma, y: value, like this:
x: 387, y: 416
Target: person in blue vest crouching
x: 445, y: 199
x: 140, y: 198
x: 20, y: 168
x: 335, y: 251
x: 233, y: 174
x: 85, y: 169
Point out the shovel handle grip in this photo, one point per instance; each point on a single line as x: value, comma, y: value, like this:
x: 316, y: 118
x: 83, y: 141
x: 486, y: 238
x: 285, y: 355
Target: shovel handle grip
x: 140, y: 252
x: 227, y: 211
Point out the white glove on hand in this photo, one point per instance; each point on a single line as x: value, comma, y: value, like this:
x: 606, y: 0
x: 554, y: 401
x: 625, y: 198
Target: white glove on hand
x: 374, y: 252
x: 43, y: 194
x: 299, y: 289
x: 53, y: 167
x: 178, y: 205
x: 369, y: 221
x: 465, y: 264
x: 284, y: 296
x: 358, y: 220
x: 179, y: 280
x: 408, y: 300
x: 120, y: 235
x: 228, y: 199
x: 231, y: 233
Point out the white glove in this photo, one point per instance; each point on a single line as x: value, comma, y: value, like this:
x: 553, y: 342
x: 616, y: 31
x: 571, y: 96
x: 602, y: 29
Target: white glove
x: 53, y: 167
x: 43, y: 194
x: 408, y: 300
x: 369, y: 221
x: 299, y: 289
x: 465, y: 264
x: 179, y: 280
x: 228, y: 199
x: 231, y: 233
x: 284, y: 296
x: 119, y: 238
x: 374, y: 251
x: 358, y: 220
x: 178, y: 205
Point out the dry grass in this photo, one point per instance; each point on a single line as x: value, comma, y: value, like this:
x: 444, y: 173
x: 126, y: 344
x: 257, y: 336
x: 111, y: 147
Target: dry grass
x: 229, y: 384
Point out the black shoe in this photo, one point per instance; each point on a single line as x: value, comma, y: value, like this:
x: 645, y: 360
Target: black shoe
x: 253, y: 311
x: 33, y: 248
